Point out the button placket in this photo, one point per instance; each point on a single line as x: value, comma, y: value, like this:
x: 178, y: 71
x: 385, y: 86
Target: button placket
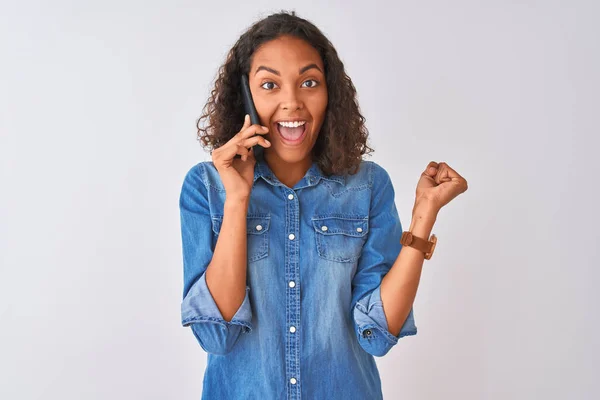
x: 292, y: 272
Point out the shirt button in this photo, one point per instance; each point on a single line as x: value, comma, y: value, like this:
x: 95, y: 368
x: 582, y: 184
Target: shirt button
x: 293, y: 381
x: 291, y: 196
x: 367, y: 332
x: 292, y: 329
x: 291, y: 237
x: 292, y: 283
x: 259, y: 227
x: 359, y: 230
x: 323, y: 228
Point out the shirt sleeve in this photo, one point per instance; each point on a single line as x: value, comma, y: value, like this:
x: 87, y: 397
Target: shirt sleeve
x: 378, y: 255
x: 198, y: 308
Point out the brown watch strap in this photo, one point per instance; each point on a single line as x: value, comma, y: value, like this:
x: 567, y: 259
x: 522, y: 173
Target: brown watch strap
x: 427, y: 247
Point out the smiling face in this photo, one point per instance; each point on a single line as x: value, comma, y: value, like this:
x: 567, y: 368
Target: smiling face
x: 287, y: 81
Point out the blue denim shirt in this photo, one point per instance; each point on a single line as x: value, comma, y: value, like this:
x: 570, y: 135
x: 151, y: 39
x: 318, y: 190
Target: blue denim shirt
x: 312, y: 318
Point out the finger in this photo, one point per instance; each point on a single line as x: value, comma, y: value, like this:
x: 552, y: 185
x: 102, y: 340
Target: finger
x: 431, y: 169
x: 249, y: 156
x: 438, y: 172
x: 229, y: 151
x: 242, y: 151
x: 451, y: 173
x: 245, y: 126
x: 256, y: 140
x: 246, y: 122
x: 251, y: 130
x: 448, y: 174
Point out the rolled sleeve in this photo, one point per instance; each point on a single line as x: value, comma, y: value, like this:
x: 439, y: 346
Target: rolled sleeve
x: 379, y: 253
x: 373, y: 333
x: 198, y: 308
x: 213, y: 332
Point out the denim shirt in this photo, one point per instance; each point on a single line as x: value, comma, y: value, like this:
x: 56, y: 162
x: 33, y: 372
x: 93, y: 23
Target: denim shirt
x: 312, y: 318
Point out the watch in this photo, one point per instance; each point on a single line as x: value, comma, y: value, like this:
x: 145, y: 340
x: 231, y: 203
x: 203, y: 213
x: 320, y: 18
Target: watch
x: 427, y: 247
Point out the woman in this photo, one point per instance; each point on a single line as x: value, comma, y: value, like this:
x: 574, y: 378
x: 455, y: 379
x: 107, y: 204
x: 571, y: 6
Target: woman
x: 294, y: 275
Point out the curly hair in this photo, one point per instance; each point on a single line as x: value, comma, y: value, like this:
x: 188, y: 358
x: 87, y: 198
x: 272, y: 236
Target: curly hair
x: 342, y: 140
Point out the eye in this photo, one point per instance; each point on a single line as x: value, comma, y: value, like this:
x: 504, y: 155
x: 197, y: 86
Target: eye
x: 313, y: 80
x: 262, y: 86
x: 316, y: 83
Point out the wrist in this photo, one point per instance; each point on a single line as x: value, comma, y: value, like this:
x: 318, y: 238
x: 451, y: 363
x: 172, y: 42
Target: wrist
x: 421, y: 226
x: 236, y: 203
x: 425, y: 208
x: 423, y: 218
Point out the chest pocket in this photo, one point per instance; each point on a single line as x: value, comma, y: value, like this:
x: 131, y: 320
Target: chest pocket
x: 257, y: 234
x: 340, y: 238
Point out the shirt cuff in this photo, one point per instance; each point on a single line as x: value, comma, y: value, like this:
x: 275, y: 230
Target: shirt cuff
x: 199, y: 306
x: 372, y: 332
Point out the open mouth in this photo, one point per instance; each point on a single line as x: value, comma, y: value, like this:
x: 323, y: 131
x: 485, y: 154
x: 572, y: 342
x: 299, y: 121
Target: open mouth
x: 292, y: 137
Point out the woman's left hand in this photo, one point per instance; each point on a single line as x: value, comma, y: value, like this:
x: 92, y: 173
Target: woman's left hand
x: 438, y: 185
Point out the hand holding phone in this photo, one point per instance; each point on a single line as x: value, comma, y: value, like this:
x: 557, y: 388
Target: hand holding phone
x: 237, y: 174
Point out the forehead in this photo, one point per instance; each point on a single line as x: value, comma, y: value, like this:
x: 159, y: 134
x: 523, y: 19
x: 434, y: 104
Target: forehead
x: 286, y: 51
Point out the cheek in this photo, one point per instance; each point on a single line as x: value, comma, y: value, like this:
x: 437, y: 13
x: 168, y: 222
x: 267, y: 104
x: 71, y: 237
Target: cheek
x: 319, y: 104
x: 317, y: 110
x: 264, y: 107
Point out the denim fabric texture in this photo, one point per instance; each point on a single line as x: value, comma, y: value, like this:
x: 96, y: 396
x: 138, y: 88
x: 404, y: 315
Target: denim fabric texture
x: 312, y: 319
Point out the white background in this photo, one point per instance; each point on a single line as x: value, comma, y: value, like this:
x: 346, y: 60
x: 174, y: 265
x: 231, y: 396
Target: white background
x: 98, y: 104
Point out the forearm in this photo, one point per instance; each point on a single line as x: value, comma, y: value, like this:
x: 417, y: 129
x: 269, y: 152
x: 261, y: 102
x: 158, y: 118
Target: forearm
x: 399, y: 286
x: 226, y: 273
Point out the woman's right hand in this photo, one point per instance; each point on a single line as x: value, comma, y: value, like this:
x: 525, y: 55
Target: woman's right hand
x: 237, y: 174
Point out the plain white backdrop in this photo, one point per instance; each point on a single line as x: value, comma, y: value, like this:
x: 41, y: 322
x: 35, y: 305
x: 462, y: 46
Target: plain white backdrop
x: 98, y: 106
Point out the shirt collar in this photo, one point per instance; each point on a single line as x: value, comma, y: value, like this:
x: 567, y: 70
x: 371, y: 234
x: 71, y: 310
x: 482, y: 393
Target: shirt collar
x: 312, y: 176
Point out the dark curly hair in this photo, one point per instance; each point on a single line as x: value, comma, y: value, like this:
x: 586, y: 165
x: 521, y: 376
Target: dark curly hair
x: 342, y: 139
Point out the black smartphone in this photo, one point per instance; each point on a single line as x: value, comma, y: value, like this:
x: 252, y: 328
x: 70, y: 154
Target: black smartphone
x: 249, y: 106
x: 248, y: 102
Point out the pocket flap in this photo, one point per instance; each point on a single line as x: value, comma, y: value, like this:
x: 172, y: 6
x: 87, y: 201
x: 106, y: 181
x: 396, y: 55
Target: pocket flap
x: 257, y: 224
x: 349, y: 226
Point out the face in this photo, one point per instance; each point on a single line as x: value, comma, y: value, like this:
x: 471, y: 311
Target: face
x: 287, y: 81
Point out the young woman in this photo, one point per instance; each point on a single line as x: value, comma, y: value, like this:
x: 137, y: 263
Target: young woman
x: 294, y: 274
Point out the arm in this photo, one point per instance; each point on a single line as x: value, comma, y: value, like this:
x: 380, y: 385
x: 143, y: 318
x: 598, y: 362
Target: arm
x: 215, y: 297
x: 400, y: 284
x: 226, y: 273
x: 379, y: 253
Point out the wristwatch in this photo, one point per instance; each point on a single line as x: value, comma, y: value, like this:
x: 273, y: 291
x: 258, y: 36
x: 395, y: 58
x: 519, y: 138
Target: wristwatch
x: 427, y: 247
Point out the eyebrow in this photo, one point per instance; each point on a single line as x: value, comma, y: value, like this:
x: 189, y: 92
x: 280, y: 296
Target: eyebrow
x: 300, y: 71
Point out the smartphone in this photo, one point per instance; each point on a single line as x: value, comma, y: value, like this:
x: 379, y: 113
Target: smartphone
x: 248, y: 102
x: 249, y: 106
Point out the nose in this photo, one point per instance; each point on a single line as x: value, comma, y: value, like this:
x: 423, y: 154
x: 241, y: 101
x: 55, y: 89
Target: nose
x: 290, y: 100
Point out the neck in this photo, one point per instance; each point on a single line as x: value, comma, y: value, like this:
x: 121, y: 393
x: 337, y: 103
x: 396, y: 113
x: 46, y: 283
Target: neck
x: 288, y: 173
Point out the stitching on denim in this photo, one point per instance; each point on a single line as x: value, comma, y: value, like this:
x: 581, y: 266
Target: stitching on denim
x: 202, y: 318
x: 346, y: 189
x: 353, y: 217
x: 320, y: 236
x: 204, y: 177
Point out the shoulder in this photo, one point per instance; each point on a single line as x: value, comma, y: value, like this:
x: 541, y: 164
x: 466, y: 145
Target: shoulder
x: 371, y: 174
x: 204, y: 173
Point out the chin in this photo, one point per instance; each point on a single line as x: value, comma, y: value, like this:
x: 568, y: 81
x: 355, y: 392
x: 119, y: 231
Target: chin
x: 291, y: 156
